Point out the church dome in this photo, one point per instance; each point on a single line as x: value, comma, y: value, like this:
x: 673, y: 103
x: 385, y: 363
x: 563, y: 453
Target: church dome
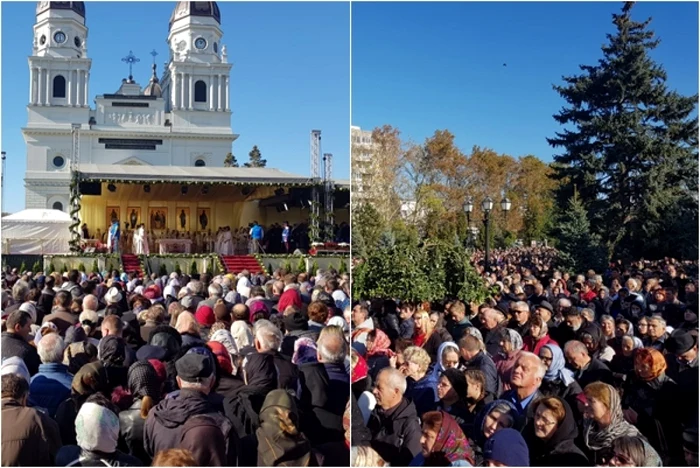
x: 153, y: 87
x: 204, y: 9
x: 78, y: 7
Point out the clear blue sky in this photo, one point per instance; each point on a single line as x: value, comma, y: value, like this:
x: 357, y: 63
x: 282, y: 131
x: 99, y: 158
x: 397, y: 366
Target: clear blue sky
x: 422, y: 67
x: 291, y: 65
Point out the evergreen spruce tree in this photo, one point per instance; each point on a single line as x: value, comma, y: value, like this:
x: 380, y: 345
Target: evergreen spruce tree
x: 256, y: 159
x: 230, y: 161
x: 579, y: 248
x: 630, y: 146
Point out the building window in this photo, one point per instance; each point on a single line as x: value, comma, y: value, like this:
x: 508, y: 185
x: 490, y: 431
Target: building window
x: 200, y: 91
x: 59, y: 161
x: 200, y: 163
x: 59, y: 87
x: 58, y: 206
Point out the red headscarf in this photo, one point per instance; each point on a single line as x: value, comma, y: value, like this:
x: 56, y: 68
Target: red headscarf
x: 359, y: 370
x: 648, y: 364
x: 451, y: 442
x: 290, y: 297
x: 222, y: 356
x: 380, y: 345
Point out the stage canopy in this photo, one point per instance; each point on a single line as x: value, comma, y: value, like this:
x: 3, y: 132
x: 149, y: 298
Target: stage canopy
x: 36, y: 232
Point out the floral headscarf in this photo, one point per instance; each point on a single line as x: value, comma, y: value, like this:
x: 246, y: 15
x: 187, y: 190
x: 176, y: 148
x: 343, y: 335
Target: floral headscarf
x: 451, y: 441
x: 380, y: 345
x: 649, y: 364
x: 514, y: 338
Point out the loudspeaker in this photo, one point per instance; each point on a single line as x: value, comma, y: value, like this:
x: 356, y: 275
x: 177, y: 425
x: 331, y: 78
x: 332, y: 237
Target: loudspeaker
x: 90, y: 188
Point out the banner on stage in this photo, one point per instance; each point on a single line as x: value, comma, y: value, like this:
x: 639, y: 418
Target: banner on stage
x: 158, y: 218
x: 203, y: 219
x: 112, y: 214
x: 183, y: 219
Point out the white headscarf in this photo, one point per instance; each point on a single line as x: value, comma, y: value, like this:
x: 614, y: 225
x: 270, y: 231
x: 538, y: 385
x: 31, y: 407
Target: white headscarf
x: 97, y: 428
x: 15, y: 365
x: 439, y: 366
x: 338, y: 321
x: 241, y: 333
x: 243, y: 286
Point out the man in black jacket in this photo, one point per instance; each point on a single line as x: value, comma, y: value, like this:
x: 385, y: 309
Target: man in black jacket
x: 394, y: 423
x: 586, y: 369
x: 15, y: 341
x: 476, y: 358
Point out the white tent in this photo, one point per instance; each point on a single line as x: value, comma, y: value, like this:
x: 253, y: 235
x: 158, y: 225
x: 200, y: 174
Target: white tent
x: 36, y: 232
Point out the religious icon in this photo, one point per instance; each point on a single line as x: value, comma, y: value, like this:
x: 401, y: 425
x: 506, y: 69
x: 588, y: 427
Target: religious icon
x: 134, y: 216
x: 203, y: 219
x: 183, y: 219
x: 158, y: 218
x: 112, y: 214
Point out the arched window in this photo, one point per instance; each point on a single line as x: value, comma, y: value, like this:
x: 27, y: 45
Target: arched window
x: 200, y: 91
x: 58, y: 206
x: 200, y: 163
x: 59, y: 87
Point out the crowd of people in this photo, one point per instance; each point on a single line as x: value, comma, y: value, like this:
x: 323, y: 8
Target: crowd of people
x: 556, y: 369
x: 104, y: 369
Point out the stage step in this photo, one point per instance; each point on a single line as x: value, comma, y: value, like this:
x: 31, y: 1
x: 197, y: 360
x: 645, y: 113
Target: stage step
x: 237, y: 263
x: 132, y: 263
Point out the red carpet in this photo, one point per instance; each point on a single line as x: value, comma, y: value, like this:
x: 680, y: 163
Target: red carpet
x: 237, y: 263
x: 132, y: 263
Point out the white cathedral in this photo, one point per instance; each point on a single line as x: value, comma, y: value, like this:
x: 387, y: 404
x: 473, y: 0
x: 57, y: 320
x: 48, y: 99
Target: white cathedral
x: 181, y: 119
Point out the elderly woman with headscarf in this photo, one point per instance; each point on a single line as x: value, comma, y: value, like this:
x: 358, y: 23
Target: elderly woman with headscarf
x: 378, y: 352
x: 558, y: 380
x: 623, y: 327
x: 242, y: 334
x: 511, y: 344
x: 499, y: 414
x: 243, y: 288
x: 592, y: 336
x: 145, y: 391
x: 443, y: 443
x: 228, y: 378
x: 622, y: 364
x: 452, y: 394
x: 604, y: 422
x: 97, y: 435
x: 189, y: 330
x: 651, y: 400
x: 90, y: 379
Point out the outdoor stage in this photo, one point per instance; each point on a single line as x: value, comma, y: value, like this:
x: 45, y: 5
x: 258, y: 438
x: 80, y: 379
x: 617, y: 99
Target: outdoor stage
x: 197, y: 199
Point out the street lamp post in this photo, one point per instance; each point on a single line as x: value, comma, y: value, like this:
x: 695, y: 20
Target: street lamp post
x: 2, y: 182
x: 486, y: 207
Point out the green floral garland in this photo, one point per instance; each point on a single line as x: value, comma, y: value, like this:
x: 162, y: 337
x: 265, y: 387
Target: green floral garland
x: 198, y: 182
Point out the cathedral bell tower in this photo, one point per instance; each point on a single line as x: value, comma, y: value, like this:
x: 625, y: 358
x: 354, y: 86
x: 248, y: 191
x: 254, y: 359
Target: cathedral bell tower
x: 197, y: 78
x: 59, y: 67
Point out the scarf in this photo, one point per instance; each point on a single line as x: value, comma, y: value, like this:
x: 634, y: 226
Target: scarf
x: 598, y: 439
x: 97, y: 428
x: 91, y: 378
x: 242, y: 336
x: 305, y: 351
x: 451, y: 441
x: 439, y: 368
x: 516, y: 341
x: 649, y: 364
x: 380, y: 345
x: 143, y: 381
x: 112, y: 351
x: 557, y: 369
x: 225, y: 338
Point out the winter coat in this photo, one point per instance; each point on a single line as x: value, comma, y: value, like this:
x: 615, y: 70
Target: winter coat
x: 492, y: 339
x: 322, y: 403
x: 438, y: 337
x: 131, y: 426
x: 63, y: 319
x: 396, y: 436
x: 423, y: 393
x: 70, y: 453
x: 190, y: 418
x: 50, y: 387
x: 659, y: 418
x: 14, y: 345
x: 596, y: 371
x: 534, y: 346
x: 484, y: 363
x: 456, y: 330
x: 287, y: 372
x: 29, y: 437
x: 567, y: 393
x: 560, y: 449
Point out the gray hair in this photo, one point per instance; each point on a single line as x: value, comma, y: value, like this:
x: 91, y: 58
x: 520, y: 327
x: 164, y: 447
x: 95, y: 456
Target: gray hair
x: 658, y: 318
x: 197, y: 287
x: 90, y: 302
x: 575, y: 346
x: 607, y: 318
x: 50, y: 349
x: 331, y: 345
x: 215, y: 290
x: 203, y: 386
x: 20, y: 290
x: 541, y: 368
x: 268, y: 335
x: 564, y: 302
x: 395, y: 379
x: 521, y: 305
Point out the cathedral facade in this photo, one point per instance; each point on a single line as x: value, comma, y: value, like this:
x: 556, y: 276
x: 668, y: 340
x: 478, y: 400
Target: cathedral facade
x: 180, y: 118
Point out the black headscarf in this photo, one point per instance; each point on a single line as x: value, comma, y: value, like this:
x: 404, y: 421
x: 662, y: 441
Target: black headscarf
x: 112, y: 351
x: 143, y: 381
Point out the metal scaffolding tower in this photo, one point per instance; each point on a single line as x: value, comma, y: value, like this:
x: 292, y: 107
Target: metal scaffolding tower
x: 316, y: 176
x: 328, y: 193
